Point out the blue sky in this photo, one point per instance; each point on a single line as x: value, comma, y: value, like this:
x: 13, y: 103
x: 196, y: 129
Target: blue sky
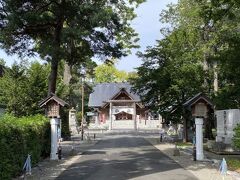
x: 146, y: 24
x: 148, y: 27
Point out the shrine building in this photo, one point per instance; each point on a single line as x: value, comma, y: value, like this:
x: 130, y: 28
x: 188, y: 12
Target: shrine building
x: 117, y: 107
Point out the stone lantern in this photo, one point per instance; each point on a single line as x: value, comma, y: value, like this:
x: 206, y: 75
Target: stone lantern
x: 199, y: 105
x: 52, y: 105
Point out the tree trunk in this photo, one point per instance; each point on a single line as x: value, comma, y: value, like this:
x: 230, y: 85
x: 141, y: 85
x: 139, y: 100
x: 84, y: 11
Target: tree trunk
x: 185, y: 133
x: 215, y: 82
x: 185, y: 124
x: 67, y: 74
x: 53, y: 76
x: 56, y: 50
x: 208, y: 126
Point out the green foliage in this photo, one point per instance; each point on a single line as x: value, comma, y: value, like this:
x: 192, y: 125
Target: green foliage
x: 65, y: 133
x: 79, y: 117
x: 172, y: 70
x: 20, y: 137
x: 73, y: 31
x: 221, y: 19
x: 169, y: 75
x: 236, y: 137
x: 22, y: 87
x: 132, y: 75
x: 201, y: 39
x: 109, y: 73
x: 2, y: 62
x: 105, y: 73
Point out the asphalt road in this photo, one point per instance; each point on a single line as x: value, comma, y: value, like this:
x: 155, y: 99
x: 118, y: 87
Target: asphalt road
x: 121, y: 157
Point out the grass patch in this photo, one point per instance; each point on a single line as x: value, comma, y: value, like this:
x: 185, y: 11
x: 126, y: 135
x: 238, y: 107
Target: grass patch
x: 233, y: 164
x: 182, y: 144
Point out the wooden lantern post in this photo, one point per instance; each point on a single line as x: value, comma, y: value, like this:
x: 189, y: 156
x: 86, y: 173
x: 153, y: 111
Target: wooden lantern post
x: 52, y: 105
x: 199, y: 105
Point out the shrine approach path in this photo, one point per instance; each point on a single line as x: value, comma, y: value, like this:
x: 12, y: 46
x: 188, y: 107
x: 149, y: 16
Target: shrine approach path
x: 121, y: 157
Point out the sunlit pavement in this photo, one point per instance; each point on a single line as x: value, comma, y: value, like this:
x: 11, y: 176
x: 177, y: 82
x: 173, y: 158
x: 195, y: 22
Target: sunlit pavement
x: 125, y: 157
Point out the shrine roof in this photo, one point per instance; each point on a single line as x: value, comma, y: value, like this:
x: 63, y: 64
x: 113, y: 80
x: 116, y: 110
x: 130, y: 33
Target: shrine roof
x: 103, y: 92
x: 52, y: 96
x: 196, y: 98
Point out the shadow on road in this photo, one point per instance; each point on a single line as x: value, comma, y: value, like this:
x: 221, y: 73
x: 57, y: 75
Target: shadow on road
x: 93, y: 152
x: 125, y: 157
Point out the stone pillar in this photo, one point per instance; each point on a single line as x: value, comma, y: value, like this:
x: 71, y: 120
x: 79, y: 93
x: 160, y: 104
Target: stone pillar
x: 60, y: 129
x: 149, y: 120
x: 96, y: 119
x: 72, y: 122
x: 54, y: 138
x: 138, y: 121
x: 134, y: 117
x: 110, y: 116
x: 199, y: 138
x: 160, y: 120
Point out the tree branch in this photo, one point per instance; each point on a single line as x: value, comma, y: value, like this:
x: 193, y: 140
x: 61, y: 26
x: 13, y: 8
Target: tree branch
x: 43, y: 7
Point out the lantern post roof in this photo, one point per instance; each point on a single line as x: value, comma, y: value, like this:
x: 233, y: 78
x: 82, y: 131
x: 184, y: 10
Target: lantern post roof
x: 195, y: 99
x: 53, y: 97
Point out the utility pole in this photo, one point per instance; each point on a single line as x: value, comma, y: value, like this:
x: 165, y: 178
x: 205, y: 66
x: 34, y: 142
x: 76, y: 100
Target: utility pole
x: 82, y: 108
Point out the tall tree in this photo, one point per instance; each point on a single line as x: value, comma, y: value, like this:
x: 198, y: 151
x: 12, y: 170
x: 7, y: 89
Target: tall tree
x: 199, y: 33
x: 69, y: 30
x: 175, y: 69
x: 225, y: 16
x: 109, y: 73
x: 169, y: 75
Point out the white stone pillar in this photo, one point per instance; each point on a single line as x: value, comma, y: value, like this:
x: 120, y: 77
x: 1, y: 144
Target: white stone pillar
x: 199, y: 138
x: 96, y: 120
x: 54, y: 138
x: 110, y: 116
x: 72, y: 122
x: 134, y: 117
x: 59, y: 129
x: 160, y: 120
x: 149, y: 120
x: 138, y: 121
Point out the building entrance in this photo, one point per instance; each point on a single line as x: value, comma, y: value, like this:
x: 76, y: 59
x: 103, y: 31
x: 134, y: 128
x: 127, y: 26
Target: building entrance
x: 123, y: 116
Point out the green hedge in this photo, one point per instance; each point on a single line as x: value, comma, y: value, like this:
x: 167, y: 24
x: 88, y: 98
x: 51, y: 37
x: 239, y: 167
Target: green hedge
x: 20, y: 137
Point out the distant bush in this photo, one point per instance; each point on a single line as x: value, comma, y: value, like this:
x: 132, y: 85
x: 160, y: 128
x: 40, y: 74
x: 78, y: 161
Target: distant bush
x: 236, y: 137
x: 20, y: 137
